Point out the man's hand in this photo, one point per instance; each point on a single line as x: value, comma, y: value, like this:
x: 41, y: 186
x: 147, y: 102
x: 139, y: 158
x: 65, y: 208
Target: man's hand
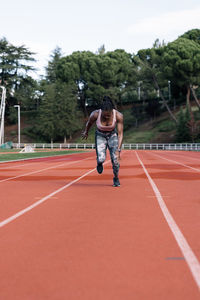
x: 84, y: 135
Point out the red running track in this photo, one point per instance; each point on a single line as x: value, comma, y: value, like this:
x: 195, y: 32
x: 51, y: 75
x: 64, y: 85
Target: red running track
x: 66, y: 233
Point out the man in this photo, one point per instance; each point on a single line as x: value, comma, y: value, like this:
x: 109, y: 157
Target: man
x: 106, y: 136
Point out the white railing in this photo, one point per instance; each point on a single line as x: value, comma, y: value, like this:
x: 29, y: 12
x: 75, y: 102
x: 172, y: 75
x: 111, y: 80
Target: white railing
x: 161, y: 146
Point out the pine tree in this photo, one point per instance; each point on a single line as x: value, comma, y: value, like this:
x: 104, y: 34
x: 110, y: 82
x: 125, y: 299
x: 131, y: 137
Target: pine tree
x: 182, y: 131
x: 59, y: 117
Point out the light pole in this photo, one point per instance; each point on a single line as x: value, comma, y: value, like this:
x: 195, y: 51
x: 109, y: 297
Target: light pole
x: 18, y: 107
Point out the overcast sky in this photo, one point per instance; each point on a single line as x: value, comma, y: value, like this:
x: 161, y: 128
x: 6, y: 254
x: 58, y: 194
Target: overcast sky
x: 74, y: 25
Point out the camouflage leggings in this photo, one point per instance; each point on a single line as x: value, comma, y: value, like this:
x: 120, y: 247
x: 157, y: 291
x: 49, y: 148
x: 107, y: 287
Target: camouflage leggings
x: 108, y: 140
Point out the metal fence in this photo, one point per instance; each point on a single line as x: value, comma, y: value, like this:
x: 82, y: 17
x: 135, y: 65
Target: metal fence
x: 183, y: 146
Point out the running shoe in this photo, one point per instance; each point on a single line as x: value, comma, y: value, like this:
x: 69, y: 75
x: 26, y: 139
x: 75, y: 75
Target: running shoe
x: 100, y: 168
x: 116, y: 181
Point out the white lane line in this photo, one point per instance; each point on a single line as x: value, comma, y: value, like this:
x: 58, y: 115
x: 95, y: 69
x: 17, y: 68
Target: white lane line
x: 182, y: 155
x: 39, y: 157
x: 38, y: 171
x: 23, y: 211
x: 32, y: 163
x: 16, y: 166
x: 189, y: 255
x: 176, y: 162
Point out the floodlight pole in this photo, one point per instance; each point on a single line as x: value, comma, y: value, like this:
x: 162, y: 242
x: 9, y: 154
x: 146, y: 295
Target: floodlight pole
x: 18, y: 107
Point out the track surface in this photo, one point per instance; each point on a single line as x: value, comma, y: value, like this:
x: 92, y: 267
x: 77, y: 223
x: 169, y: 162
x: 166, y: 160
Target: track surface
x: 66, y: 233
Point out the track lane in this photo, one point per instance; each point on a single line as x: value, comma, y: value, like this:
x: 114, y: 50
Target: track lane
x: 180, y: 184
x: 41, y: 179
x: 188, y: 254
x: 95, y: 242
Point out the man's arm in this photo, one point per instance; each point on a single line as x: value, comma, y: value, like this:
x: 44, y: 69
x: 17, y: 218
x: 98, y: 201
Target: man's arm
x: 92, y: 118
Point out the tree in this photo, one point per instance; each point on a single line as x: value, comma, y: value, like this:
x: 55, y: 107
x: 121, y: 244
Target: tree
x: 149, y: 62
x: 52, y: 65
x: 181, y: 63
x: 26, y: 94
x: 97, y: 75
x: 58, y: 113
x: 182, y: 130
x: 193, y: 35
x: 153, y: 108
x: 15, y: 65
x: 101, y: 50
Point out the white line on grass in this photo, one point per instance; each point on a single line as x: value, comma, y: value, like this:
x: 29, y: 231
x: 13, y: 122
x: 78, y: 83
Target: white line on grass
x: 176, y: 162
x: 23, y: 211
x: 38, y: 171
x: 189, y: 255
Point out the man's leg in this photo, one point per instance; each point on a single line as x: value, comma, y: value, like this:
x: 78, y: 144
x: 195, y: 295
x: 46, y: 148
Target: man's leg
x: 113, y: 146
x: 101, y: 146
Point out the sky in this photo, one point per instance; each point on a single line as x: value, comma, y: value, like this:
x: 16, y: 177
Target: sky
x: 79, y: 25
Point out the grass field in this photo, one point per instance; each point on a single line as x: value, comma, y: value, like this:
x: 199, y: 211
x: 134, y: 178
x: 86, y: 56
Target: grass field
x: 13, y: 154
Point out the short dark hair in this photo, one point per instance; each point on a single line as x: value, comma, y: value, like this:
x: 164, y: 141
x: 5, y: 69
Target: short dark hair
x: 107, y: 104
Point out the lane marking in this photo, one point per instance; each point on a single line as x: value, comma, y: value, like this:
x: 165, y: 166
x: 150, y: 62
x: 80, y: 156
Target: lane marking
x: 33, y: 163
x: 41, y: 170
x: 16, y: 166
x: 155, y: 196
x: 40, y: 157
x: 182, y: 155
x: 23, y: 211
x: 27, y: 209
x: 189, y: 255
x: 175, y: 258
x: 176, y: 162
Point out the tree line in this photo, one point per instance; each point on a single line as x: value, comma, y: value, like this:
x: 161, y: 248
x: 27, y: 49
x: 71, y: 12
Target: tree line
x: 163, y: 77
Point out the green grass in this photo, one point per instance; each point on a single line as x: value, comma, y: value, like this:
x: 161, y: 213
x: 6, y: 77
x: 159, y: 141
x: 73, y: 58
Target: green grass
x: 18, y: 156
x: 9, y: 150
x: 134, y: 135
x: 90, y: 139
